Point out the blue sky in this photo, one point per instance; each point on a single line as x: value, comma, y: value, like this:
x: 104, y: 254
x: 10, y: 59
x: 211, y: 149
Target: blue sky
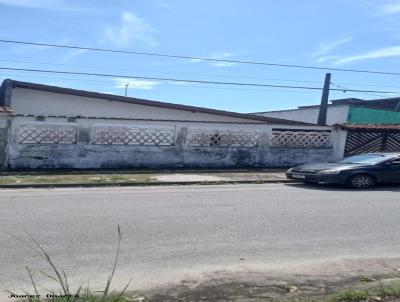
x: 356, y: 34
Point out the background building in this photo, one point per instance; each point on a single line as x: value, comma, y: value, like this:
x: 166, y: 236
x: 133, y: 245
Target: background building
x: 353, y: 111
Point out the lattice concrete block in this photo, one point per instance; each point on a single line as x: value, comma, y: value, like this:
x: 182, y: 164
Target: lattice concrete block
x: 47, y: 134
x: 304, y: 139
x: 133, y: 135
x: 223, y: 138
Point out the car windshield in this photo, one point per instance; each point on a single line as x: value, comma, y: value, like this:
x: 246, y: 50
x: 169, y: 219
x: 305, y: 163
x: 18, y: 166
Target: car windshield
x: 366, y: 159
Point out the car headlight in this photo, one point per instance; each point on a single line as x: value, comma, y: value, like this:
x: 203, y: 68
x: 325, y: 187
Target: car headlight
x: 328, y: 172
x: 290, y: 170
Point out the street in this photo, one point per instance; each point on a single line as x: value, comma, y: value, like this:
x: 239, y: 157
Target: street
x: 177, y: 231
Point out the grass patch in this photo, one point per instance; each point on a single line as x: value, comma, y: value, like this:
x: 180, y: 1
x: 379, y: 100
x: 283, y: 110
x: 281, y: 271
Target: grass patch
x: 65, y: 293
x: 392, y: 291
x: 372, y: 294
x: 352, y: 295
x: 73, y: 179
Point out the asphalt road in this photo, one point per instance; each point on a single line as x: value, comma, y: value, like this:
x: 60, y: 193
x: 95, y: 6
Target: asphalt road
x: 173, y: 232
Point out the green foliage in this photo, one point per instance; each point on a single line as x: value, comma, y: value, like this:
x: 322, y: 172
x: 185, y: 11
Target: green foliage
x: 389, y: 291
x: 354, y: 295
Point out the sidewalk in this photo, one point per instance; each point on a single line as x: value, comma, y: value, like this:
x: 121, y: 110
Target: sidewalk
x: 137, y: 177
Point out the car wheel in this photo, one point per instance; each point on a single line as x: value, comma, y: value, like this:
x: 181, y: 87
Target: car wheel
x: 362, y: 181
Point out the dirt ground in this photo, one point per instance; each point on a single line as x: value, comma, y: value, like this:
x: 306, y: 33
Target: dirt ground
x: 308, y: 282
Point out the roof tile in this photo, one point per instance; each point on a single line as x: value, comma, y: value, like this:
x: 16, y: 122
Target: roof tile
x: 370, y: 126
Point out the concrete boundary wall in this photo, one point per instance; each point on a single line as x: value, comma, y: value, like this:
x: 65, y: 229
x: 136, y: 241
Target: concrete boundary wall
x: 4, y: 137
x: 84, y: 143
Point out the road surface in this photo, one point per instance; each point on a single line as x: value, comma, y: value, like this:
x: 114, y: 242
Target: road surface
x: 173, y: 232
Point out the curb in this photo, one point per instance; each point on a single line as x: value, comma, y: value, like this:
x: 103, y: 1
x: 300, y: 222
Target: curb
x: 143, y: 171
x: 145, y: 184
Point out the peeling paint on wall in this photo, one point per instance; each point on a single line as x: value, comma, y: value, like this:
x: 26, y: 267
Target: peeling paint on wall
x: 244, y: 145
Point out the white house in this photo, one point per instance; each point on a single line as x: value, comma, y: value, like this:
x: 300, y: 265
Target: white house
x: 351, y: 110
x: 336, y: 114
x: 45, y: 126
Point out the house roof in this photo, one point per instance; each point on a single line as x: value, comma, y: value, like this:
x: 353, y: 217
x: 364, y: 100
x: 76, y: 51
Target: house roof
x: 293, y: 109
x: 392, y: 104
x: 371, y: 104
x: 317, y: 106
x: 357, y: 104
x: 387, y: 103
x: 369, y: 126
x: 144, y: 102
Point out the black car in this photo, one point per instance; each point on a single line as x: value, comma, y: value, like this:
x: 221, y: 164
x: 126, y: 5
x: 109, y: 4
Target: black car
x: 359, y: 171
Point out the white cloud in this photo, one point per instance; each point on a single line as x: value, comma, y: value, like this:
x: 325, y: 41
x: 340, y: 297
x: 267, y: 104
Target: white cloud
x: 380, y: 53
x: 56, y: 5
x: 131, y: 29
x: 381, y: 7
x: 195, y: 60
x: 135, y: 84
x: 327, y: 58
x: 219, y: 56
x: 29, y: 3
x: 178, y: 83
x: 326, y: 47
x: 72, y: 54
x: 223, y: 64
x: 390, y: 8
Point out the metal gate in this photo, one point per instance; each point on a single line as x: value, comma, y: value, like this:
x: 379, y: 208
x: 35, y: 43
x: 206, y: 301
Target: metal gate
x: 364, y: 141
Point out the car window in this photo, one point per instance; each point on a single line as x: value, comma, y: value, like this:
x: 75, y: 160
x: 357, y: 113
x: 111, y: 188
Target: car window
x: 366, y: 159
x: 396, y: 161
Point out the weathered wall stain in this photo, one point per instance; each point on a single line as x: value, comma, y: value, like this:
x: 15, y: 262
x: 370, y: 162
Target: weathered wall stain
x: 4, y: 135
x: 83, y: 154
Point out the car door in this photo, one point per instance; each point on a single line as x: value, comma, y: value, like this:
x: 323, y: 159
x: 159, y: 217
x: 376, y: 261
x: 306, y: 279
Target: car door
x: 392, y: 171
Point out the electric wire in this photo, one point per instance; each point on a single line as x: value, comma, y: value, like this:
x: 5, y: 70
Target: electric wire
x: 178, y: 80
x: 198, y: 58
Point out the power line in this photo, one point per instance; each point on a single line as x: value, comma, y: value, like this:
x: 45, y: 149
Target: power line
x: 10, y: 73
x: 5, y: 74
x: 191, y: 73
x: 369, y: 85
x: 188, y: 80
x: 167, y: 72
x: 345, y: 89
x: 186, y: 57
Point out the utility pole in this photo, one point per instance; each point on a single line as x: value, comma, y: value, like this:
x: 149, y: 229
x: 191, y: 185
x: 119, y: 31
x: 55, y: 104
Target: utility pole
x: 323, y: 108
x: 126, y: 88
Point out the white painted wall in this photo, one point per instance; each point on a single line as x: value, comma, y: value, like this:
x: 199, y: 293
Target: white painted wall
x: 26, y: 101
x: 84, y: 154
x: 4, y: 137
x: 336, y: 114
x: 4, y: 117
x: 339, y: 143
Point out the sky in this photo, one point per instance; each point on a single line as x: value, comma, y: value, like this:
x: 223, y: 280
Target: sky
x: 350, y: 34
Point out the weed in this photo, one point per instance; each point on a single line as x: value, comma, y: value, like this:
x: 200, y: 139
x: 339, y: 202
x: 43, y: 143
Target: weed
x: 65, y: 294
x: 392, y: 291
x: 354, y: 295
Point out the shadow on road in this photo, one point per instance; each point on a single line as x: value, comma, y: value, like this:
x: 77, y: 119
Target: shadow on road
x: 393, y: 187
